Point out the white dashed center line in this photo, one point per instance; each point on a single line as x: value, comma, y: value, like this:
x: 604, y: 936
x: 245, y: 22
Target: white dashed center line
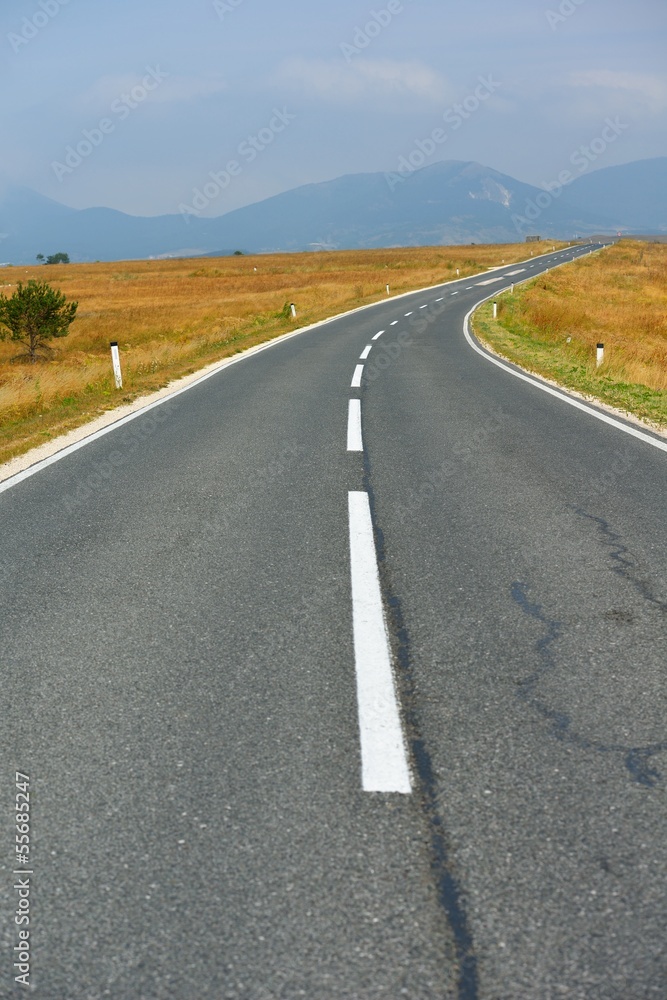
x: 408, y: 314
x: 366, y: 351
x: 424, y: 307
x: 356, y: 378
x: 384, y: 761
x: 354, y: 439
x: 379, y: 334
x: 395, y: 323
x: 438, y: 300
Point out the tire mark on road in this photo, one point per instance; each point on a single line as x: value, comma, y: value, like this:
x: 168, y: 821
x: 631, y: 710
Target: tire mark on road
x: 449, y: 892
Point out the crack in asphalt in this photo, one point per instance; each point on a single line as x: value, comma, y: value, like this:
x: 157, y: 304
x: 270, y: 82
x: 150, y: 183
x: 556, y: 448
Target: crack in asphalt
x: 624, y: 563
x: 637, y: 760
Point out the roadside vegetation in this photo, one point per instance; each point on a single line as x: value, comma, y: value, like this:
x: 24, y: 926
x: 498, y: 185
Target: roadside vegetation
x: 33, y: 315
x: 618, y: 298
x: 172, y: 317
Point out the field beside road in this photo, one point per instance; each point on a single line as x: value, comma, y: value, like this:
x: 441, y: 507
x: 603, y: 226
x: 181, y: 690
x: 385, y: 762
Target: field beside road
x: 618, y: 298
x: 174, y: 317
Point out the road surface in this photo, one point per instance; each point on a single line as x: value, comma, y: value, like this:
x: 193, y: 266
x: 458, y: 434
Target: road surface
x: 341, y: 675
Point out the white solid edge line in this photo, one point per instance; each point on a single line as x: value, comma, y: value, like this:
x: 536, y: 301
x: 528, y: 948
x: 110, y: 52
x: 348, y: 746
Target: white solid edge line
x: 570, y: 400
x: 356, y: 378
x: 366, y: 351
x: 379, y: 334
x: 384, y: 761
x: 354, y: 438
x: 224, y: 363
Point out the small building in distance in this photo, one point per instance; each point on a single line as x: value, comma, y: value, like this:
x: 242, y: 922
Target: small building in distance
x: 533, y: 239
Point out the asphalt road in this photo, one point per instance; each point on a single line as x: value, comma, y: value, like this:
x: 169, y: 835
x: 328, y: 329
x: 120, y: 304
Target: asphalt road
x: 181, y: 666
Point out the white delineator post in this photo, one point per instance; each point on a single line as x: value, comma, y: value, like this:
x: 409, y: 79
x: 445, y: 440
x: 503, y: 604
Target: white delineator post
x: 599, y: 355
x: 387, y: 289
x: 495, y: 310
x: 293, y: 308
x: 115, y: 361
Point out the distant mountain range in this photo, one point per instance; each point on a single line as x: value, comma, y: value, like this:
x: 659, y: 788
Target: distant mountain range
x: 446, y: 203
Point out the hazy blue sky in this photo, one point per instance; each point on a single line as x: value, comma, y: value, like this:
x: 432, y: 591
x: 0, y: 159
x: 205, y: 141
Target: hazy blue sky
x: 553, y: 72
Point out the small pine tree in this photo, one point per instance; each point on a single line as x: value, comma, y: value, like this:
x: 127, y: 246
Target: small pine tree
x: 34, y: 314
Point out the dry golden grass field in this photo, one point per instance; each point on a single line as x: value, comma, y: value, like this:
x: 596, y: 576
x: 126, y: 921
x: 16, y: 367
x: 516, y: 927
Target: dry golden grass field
x: 174, y: 317
x: 618, y: 298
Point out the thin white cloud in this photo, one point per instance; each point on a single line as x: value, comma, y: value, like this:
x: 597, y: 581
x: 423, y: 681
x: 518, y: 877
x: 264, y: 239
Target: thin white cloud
x: 333, y: 80
x: 186, y: 88
x: 637, y: 88
x: 171, y: 88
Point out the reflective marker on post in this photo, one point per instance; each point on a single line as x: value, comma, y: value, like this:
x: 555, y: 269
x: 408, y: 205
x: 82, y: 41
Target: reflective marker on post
x: 115, y: 360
